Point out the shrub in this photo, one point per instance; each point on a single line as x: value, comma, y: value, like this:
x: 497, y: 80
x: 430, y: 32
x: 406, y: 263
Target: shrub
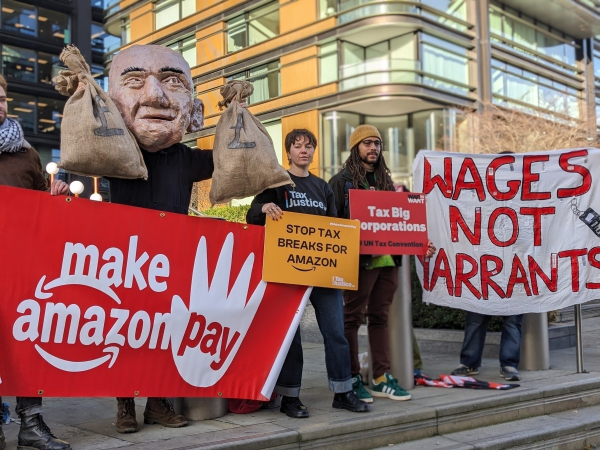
x: 229, y: 213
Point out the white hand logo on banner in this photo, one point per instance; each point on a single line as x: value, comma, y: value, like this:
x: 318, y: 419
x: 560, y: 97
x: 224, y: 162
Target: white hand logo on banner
x: 206, y: 337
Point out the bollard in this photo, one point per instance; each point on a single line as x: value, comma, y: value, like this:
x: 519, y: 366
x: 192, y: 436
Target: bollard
x: 579, y: 342
x: 400, y: 329
x: 201, y: 408
x: 535, y: 345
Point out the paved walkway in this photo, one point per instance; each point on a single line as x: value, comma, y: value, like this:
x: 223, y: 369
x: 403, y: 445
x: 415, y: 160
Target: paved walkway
x: 88, y: 423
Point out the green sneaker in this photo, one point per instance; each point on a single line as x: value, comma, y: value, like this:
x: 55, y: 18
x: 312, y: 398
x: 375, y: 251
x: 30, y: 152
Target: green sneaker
x: 390, y: 389
x: 359, y: 389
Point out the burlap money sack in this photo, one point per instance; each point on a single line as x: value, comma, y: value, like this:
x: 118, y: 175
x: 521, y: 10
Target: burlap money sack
x: 243, y: 153
x: 94, y: 140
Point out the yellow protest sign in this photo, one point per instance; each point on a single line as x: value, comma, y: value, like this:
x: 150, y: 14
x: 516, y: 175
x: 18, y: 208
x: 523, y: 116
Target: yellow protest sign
x: 312, y: 250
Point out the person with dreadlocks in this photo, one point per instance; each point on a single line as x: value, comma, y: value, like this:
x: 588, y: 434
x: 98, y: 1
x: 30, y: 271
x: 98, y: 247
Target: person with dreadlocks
x: 365, y: 168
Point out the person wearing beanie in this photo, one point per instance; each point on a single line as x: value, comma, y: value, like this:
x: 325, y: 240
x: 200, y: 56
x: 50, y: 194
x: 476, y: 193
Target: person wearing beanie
x: 365, y: 168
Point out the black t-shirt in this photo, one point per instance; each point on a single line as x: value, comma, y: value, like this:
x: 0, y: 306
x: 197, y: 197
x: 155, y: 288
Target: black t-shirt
x: 371, y: 180
x: 171, y: 175
x: 312, y: 195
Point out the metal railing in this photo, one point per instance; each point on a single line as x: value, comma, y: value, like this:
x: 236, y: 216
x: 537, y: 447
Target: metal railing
x: 401, y: 71
x: 359, y: 9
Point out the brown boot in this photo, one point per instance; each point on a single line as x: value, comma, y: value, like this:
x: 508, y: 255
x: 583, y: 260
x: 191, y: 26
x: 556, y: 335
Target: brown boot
x: 126, y: 422
x: 160, y: 410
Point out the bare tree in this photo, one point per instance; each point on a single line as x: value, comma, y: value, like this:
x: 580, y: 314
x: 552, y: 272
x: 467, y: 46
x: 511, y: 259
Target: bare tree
x: 496, y: 129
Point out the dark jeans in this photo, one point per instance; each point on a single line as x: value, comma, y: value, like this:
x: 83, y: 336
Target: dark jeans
x: 510, y: 342
x: 26, y: 402
x: 329, y: 310
x: 376, y: 288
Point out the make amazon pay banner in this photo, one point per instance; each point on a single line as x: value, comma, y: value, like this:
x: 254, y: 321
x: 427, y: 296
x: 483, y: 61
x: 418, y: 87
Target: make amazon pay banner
x: 110, y: 300
x: 515, y: 233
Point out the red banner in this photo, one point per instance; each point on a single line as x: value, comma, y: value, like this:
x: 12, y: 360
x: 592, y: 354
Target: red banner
x: 110, y: 300
x: 391, y: 223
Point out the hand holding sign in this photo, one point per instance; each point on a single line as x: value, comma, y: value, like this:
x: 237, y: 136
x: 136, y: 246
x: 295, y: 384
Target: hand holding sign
x: 206, y: 337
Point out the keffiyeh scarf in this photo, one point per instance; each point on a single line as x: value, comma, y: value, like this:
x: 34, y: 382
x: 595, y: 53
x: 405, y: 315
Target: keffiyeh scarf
x: 11, y: 136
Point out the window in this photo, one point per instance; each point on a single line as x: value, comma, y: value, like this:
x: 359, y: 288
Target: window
x: 327, y: 8
x: 29, y: 65
x: 253, y: 27
x: 18, y: 63
x: 26, y: 19
x: 170, y: 11
x: 49, y: 115
x: 265, y: 80
x: 450, y: 13
x: 29, y: 111
x: 328, y: 63
x: 403, y: 136
x: 392, y: 61
x: 48, y: 67
x: 516, y: 87
x: 19, y: 18
x: 22, y: 108
x: 530, y: 37
x: 187, y: 48
x: 53, y: 26
x: 456, y: 8
x: 447, y: 63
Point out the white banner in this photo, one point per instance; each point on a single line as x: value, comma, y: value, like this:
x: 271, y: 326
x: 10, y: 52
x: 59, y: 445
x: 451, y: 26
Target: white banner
x: 515, y: 233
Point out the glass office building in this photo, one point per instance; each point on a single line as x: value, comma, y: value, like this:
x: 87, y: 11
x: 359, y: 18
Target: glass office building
x: 32, y: 35
x: 406, y: 67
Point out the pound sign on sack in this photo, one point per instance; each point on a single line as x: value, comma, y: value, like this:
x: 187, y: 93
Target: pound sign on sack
x: 236, y: 140
x: 103, y: 130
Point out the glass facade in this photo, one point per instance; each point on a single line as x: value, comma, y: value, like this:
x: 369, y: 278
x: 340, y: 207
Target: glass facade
x: 253, y: 27
x: 265, y: 79
x: 533, y: 39
x: 22, y: 18
x: 403, y: 136
x: 187, y: 48
x: 519, y: 88
x: 37, y: 115
x: 167, y: 12
x: 328, y: 63
x: 442, y: 65
x: 450, y: 13
x: 28, y: 65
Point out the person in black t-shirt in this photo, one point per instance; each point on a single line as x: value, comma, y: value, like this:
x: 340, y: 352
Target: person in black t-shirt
x: 311, y: 195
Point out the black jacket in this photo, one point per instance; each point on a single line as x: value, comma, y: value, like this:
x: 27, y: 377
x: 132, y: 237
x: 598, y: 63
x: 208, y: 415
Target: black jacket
x: 341, y: 184
x: 172, y: 173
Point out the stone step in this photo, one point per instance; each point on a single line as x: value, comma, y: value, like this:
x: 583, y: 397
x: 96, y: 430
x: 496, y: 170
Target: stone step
x: 572, y: 429
x: 588, y: 310
x: 548, y: 410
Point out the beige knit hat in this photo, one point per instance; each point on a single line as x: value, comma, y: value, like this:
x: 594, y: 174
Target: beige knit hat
x: 362, y: 132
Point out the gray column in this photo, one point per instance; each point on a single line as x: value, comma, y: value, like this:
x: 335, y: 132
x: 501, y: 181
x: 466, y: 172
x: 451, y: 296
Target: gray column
x: 535, y: 346
x: 400, y: 329
x: 484, y: 53
x: 81, y: 28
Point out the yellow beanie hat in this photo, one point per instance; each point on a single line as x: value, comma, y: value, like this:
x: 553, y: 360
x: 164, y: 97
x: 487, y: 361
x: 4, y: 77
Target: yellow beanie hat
x: 362, y: 132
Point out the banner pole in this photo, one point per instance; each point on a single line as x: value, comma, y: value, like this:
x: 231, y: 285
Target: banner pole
x: 535, y: 346
x: 400, y: 329
x: 579, y: 341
